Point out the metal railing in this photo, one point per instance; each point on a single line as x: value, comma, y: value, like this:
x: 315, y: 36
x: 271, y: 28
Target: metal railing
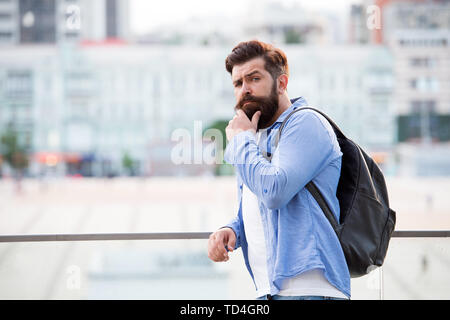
x: 187, y: 235
x: 175, y: 236
x: 104, y: 236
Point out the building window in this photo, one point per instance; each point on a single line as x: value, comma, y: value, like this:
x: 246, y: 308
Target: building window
x: 426, y: 62
x: 37, y: 21
x: 422, y: 122
x: 71, y: 35
x: 5, y: 35
x: 5, y: 16
x: 423, y: 42
x: 424, y: 84
x: 419, y: 106
x: 79, y: 84
x: 111, y: 19
x: 19, y: 83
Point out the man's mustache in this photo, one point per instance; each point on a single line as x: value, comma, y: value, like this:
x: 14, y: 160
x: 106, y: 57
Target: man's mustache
x: 248, y: 98
x: 249, y: 105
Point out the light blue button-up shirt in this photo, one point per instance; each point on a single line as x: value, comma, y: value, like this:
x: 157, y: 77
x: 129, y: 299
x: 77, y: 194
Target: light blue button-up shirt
x: 298, y: 236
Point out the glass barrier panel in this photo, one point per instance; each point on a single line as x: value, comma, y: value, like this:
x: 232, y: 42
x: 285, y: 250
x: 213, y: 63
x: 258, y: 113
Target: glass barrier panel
x: 147, y: 269
x: 414, y: 269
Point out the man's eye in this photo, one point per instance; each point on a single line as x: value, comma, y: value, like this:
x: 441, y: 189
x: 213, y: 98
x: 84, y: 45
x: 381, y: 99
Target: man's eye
x: 237, y: 85
x: 255, y: 78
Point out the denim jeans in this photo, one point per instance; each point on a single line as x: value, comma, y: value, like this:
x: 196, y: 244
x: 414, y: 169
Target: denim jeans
x: 277, y: 297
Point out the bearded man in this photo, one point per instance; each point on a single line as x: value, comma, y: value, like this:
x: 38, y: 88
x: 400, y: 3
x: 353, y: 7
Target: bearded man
x: 289, y: 247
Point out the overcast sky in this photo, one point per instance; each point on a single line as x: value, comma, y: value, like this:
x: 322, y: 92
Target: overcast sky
x: 146, y: 14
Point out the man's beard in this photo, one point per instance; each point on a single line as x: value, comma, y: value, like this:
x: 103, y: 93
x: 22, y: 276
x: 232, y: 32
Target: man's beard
x: 267, y: 105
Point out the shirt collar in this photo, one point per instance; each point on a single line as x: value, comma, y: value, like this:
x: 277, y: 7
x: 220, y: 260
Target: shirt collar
x: 296, y: 102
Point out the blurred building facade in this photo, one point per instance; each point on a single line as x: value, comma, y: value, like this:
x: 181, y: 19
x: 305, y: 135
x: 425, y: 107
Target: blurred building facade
x: 275, y: 22
x: 56, y: 21
x: 266, y: 20
x: 354, y: 86
x: 91, y: 102
x: 94, y: 103
x: 417, y: 32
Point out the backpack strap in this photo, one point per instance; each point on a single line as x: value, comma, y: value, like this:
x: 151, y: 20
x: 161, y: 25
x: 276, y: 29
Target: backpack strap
x: 311, y: 186
x: 315, y: 192
x: 336, y: 129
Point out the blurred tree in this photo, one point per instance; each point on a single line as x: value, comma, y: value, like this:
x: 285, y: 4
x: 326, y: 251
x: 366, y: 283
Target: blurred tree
x: 13, y: 153
x: 292, y: 36
x: 128, y: 163
x: 205, y: 41
x: 219, y: 125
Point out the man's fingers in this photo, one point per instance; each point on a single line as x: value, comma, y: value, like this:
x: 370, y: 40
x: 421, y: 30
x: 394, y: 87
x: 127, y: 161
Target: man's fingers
x: 216, y: 250
x: 220, y: 243
x: 212, y: 244
x: 231, y: 243
x: 221, y: 251
x: 255, y: 118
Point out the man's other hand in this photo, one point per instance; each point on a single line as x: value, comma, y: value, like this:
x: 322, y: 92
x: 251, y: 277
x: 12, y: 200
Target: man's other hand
x: 217, y: 242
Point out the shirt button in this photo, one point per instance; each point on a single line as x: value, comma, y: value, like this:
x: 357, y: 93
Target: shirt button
x: 265, y: 190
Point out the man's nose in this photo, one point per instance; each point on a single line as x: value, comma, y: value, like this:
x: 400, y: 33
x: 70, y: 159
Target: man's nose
x: 246, y: 90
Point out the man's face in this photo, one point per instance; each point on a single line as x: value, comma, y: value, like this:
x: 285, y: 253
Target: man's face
x: 255, y: 89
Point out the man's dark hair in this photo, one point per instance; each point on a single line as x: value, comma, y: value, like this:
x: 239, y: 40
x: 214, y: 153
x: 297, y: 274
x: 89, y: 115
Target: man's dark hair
x: 275, y: 59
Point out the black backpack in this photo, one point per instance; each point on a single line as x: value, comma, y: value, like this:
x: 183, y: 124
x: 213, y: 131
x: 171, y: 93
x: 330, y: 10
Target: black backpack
x: 366, y: 221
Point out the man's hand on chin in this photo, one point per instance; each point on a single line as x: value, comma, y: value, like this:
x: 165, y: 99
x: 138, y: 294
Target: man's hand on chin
x: 240, y: 122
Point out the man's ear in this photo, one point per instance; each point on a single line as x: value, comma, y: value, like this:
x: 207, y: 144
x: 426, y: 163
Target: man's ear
x: 282, y: 83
